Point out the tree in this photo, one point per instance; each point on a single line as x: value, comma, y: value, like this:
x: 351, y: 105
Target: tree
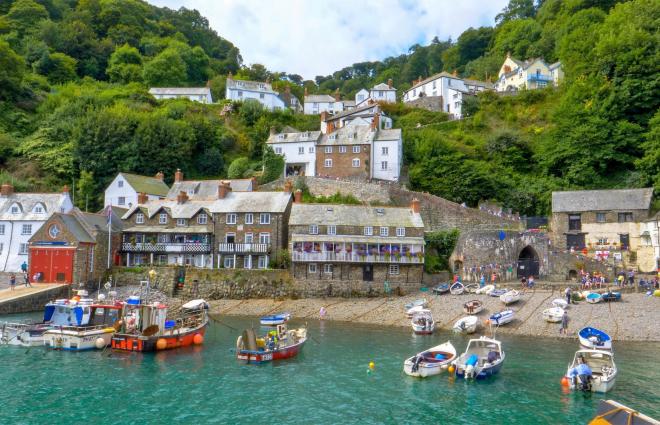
x: 57, y: 67
x: 238, y: 168
x: 649, y: 164
x: 516, y: 9
x: 166, y: 69
x: 125, y: 65
x: 88, y: 195
x: 26, y: 14
x: 516, y: 37
x: 273, y: 166
x: 12, y: 68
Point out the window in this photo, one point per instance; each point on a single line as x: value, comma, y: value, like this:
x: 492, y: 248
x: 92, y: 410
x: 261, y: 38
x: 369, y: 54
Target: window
x: 311, y: 268
x: 449, y: 82
x: 278, y: 150
x: 600, y: 218
x: 356, y: 149
x: 383, y: 165
x: 262, y: 96
x: 2, y: 229
x: 356, y: 162
x: 263, y: 262
x: 39, y: 209
x: 264, y: 218
x: 625, y: 217
x: 301, y: 150
x: 120, y: 183
x: 264, y: 238
x: 311, y: 149
x: 121, y: 200
x: 401, y: 231
x: 163, y: 238
x: 368, y: 231
x: 249, y: 218
x: 380, y: 93
x: 247, y: 262
x: 202, y: 218
x: 181, y: 222
x: 385, y: 151
x: 327, y: 268
x: 23, y: 249
x: 1, y: 246
x: 602, y: 241
x: 231, y: 218
x: 327, y: 163
x: 230, y: 238
x: 240, y: 93
x: 574, y: 222
x: 139, y: 218
x: 26, y: 229
x: 434, y: 84
x: 342, y: 149
x: 394, y: 269
x: 332, y: 230
x: 249, y: 238
x: 15, y: 209
x: 384, y: 231
x: 328, y: 149
x: 313, y: 229
x: 162, y: 218
x: 229, y: 262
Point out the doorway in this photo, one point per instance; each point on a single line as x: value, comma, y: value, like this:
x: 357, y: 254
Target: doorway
x: 528, y: 262
x: 624, y: 240
x: 368, y: 272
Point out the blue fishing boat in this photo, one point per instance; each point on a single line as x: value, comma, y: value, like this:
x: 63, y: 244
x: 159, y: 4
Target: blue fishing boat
x: 594, y: 298
x: 595, y: 339
x: 275, y: 319
x: 497, y: 292
x: 612, y: 296
x: 441, y: 288
x: 482, y: 358
x: 501, y: 318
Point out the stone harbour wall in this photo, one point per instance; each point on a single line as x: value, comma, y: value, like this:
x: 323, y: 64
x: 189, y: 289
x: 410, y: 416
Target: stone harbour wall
x: 33, y: 301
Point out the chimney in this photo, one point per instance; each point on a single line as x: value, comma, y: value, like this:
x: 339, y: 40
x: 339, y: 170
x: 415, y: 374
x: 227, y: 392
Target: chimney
x: 160, y: 176
x: 142, y: 198
x: 375, y: 122
x: 229, y: 76
x: 508, y: 55
x: 65, y: 189
x: 6, y: 190
x: 324, y: 116
x: 297, y: 197
x: 455, y: 73
x: 306, y: 92
x: 288, y: 186
x: 182, y: 197
x: 389, y: 83
x: 330, y: 127
x: 255, y: 184
x: 178, y: 176
x: 208, y: 84
x: 224, y: 189
x: 415, y: 206
x: 337, y: 97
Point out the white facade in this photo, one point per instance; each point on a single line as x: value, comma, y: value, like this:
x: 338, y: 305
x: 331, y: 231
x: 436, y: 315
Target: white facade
x: 318, y: 103
x: 363, y: 115
x: 383, y: 93
x: 650, y: 241
x: 361, y: 96
x: 531, y: 74
x: 298, y: 150
x: 387, y: 156
x: 21, y: 215
x: 123, y: 190
x: 239, y: 90
x: 196, y: 94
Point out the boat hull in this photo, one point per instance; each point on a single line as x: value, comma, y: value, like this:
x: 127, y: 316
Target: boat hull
x: 553, y: 315
x: 465, y: 325
x: 485, y: 372
x: 501, y: 318
x: 427, y: 363
x: 598, y: 385
x: 76, y: 340
x: 21, y: 335
x: 259, y: 357
x: 594, y: 339
x: 126, y: 342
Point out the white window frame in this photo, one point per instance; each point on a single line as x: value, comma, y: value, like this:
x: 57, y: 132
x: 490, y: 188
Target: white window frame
x: 231, y: 218
x: 228, y: 262
x: 356, y: 163
x: 313, y: 229
x: 26, y: 229
x: 301, y: 150
x: 328, y: 149
x: 312, y: 268
x: 368, y: 231
x: 264, y: 218
x: 121, y: 200
x: 120, y: 183
x: 249, y: 218
x: 162, y: 218
x: 401, y: 231
x: 393, y: 269
x: 331, y: 229
x: 139, y: 218
x: 383, y: 165
x: 2, y: 229
x: 356, y: 149
x: 262, y: 262
x: 311, y: 149
x: 384, y: 231
x: 249, y: 237
x: 328, y: 268
x: 39, y: 209
x: 181, y: 222
x: 342, y: 149
x: 23, y: 249
x: 247, y: 262
x: 278, y: 150
x: 202, y: 218
x: 385, y: 151
x: 327, y: 163
x: 264, y: 238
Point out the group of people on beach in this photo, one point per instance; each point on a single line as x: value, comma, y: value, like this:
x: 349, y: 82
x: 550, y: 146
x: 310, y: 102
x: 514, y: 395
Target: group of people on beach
x: 26, y: 277
x: 595, y: 280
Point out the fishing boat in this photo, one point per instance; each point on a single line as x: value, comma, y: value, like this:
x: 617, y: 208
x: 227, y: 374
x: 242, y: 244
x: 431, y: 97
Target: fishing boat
x: 146, y: 327
x: 594, y: 339
x: 457, y: 288
x: 275, y: 345
x: 610, y: 412
x: 485, y: 289
x: 430, y: 362
x: 275, y: 319
x: 510, y: 297
x: 417, y: 303
x: 93, y: 329
x: 473, y: 307
x: 471, y: 288
x: 553, y: 315
x: 441, y: 288
x: 501, y: 318
x: 422, y: 322
x: 594, y: 297
x: 603, y: 371
x: 497, y: 292
x: 611, y: 296
x: 466, y: 325
x: 560, y: 302
x: 482, y: 358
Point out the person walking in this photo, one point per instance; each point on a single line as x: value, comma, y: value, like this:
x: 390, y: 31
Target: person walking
x: 620, y: 279
x: 12, y: 281
x: 564, y: 324
x: 567, y: 292
x: 26, y: 277
x: 631, y: 277
x: 24, y: 267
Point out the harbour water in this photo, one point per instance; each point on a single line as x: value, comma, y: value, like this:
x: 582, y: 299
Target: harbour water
x: 327, y: 384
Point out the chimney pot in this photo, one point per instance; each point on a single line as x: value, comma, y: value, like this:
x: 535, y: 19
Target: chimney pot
x: 224, y: 189
x: 415, y: 206
x: 160, y: 176
x: 389, y: 83
x: 6, y: 190
x: 297, y: 197
x: 178, y: 176
x: 337, y: 96
x: 65, y: 189
x: 142, y: 198
x: 182, y: 197
x: 455, y: 73
x: 255, y: 184
x: 375, y: 122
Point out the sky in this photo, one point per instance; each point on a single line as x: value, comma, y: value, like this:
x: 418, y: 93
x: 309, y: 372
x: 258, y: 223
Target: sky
x: 318, y: 37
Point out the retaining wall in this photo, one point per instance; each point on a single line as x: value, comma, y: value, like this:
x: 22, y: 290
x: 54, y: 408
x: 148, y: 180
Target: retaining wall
x: 34, y: 301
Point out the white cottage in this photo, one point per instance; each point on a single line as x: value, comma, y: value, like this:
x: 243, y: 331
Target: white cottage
x: 379, y: 93
x: 21, y: 215
x: 242, y: 90
x: 318, y: 103
x: 196, y: 94
x: 530, y: 74
x: 298, y: 150
x: 123, y: 190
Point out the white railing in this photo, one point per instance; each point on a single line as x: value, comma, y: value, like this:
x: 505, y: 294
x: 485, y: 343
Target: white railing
x: 259, y: 248
x: 166, y: 247
x: 356, y: 258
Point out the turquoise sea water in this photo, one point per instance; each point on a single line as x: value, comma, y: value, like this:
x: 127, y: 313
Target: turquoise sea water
x: 327, y: 384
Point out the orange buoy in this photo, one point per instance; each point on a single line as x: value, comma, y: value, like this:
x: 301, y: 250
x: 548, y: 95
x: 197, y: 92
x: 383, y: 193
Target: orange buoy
x: 451, y: 368
x: 198, y: 339
x: 564, y: 382
x: 161, y: 344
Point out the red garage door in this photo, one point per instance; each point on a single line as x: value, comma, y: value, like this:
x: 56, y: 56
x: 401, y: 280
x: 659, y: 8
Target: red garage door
x: 54, y: 264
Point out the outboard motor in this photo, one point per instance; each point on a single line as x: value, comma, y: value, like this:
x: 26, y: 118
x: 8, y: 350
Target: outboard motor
x: 584, y: 383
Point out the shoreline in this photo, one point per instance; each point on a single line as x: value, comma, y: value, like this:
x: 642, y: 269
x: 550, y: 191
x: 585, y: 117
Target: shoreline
x: 634, y: 318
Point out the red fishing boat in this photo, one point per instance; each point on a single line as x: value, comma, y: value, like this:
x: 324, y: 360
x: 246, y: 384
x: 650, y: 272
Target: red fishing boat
x: 146, y: 327
x: 275, y: 345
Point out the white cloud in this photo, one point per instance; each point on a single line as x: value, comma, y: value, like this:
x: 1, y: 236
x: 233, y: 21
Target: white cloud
x: 318, y: 37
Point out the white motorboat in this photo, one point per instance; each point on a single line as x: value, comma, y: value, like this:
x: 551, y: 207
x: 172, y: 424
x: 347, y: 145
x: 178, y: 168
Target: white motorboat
x: 560, y: 302
x: 430, y: 362
x: 485, y: 290
x: 482, y: 358
x: 93, y: 328
x: 553, y: 315
x: 602, y: 367
x: 457, y: 288
x: 275, y: 319
x: 466, y: 325
x: 473, y: 307
x: 422, y: 322
x: 510, y: 297
x: 501, y: 318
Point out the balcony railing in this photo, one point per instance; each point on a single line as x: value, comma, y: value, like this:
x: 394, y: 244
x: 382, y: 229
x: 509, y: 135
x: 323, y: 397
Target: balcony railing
x: 345, y: 257
x: 244, y: 248
x: 539, y: 77
x: 191, y: 247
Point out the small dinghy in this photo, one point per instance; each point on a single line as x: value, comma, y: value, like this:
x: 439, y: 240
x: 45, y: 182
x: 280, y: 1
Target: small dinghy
x: 457, y: 288
x: 594, y: 298
x: 560, y: 303
x: 553, y: 315
x: 471, y: 288
x: 422, y: 322
x: 510, y: 297
x: 611, y: 296
x: 275, y: 319
x: 473, y: 307
x: 595, y: 339
x: 601, y: 365
x: 412, y: 310
x: 417, y: 303
x: 497, y: 292
x: 485, y: 290
x: 482, y: 358
x: 466, y: 325
x: 501, y: 318
x: 441, y: 288
x: 430, y: 362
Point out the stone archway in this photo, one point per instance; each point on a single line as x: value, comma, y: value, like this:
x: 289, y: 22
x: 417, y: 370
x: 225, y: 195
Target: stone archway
x: 528, y: 262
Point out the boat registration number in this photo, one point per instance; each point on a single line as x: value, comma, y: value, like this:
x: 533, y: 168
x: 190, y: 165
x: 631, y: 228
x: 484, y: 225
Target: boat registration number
x: 267, y: 357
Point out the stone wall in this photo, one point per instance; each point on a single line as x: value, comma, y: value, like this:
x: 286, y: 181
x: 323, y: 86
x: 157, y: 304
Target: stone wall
x: 34, y: 301
x: 365, y: 192
x: 432, y: 103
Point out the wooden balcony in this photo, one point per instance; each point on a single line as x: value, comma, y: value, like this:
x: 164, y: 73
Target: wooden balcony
x: 191, y: 247
x: 244, y: 248
x: 343, y: 257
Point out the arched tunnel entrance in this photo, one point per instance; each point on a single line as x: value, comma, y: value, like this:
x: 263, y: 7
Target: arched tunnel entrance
x: 528, y: 262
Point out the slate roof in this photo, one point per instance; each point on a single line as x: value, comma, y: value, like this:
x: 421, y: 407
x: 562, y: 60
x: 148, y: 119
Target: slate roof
x: 602, y: 200
x: 382, y: 86
x: 207, y: 189
x: 301, y: 136
x: 180, y: 91
x: 348, y: 135
x: 76, y: 228
x: 257, y: 86
x: 389, y: 134
x: 319, y: 98
x: 146, y: 184
x: 354, y: 111
x: 353, y: 215
x: 51, y: 203
x: 554, y: 65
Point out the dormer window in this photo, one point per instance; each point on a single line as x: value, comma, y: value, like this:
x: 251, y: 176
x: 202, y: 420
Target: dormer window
x: 139, y: 218
x: 15, y: 209
x: 162, y: 218
x: 39, y: 209
x: 280, y: 136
